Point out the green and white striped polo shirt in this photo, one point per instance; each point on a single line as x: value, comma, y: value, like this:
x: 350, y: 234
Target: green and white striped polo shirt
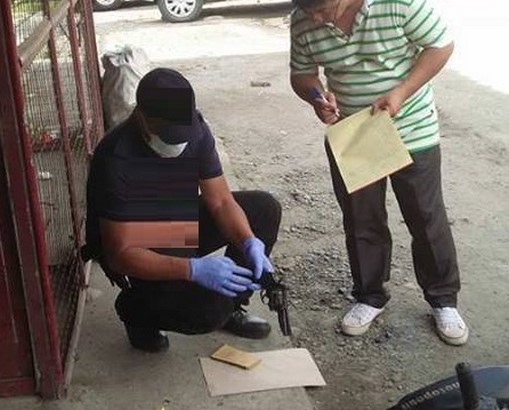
x: 386, y: 38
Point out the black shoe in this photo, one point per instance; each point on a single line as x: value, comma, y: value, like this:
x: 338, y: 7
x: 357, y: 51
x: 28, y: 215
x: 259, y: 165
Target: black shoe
x: 243, y: 324
x: 147, y: 339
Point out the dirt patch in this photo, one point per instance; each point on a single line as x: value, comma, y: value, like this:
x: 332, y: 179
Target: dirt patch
x: 275, y: 143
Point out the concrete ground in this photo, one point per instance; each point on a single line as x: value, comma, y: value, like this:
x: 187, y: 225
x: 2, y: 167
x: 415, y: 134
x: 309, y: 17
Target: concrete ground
x: 222, y: 54
x: 109, y: 374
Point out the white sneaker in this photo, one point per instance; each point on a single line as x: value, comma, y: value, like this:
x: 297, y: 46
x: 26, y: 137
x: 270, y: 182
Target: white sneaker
x: 450, y: 326
x: 359, y: 318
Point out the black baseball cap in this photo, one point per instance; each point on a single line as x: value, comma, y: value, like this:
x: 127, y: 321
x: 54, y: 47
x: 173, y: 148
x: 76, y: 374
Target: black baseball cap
x: 166, y: 94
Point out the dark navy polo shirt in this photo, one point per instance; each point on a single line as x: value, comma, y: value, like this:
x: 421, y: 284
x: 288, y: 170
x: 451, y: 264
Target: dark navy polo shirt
x: 128, y: 181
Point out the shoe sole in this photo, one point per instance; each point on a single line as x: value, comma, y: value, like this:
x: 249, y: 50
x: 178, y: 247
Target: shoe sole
x: 453, y: 341
x: 358, y: 330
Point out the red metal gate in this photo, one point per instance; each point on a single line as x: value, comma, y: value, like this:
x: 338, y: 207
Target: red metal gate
x: 50, y: 120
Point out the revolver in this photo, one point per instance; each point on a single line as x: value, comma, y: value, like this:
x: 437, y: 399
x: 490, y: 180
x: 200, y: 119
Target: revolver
x: 273, y: 294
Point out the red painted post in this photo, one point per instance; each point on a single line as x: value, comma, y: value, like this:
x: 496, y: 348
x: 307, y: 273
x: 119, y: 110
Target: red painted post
x: 16, y: 369
x: 27, y: 219
x: 85, y: 115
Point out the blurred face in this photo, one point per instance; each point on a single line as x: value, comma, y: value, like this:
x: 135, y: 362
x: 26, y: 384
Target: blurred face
x: 324, y: 12
x: 154, y: 126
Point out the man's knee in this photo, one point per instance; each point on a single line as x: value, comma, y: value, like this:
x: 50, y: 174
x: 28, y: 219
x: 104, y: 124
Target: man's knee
x: 269, y: 204
x: 263, y: 201
x: 129, y: 309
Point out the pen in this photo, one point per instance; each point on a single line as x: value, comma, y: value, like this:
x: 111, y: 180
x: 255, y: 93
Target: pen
x: 316, y: 94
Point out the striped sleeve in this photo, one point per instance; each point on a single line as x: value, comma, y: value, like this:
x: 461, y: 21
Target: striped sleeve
x: 301, y: 61
x: 424, y: 26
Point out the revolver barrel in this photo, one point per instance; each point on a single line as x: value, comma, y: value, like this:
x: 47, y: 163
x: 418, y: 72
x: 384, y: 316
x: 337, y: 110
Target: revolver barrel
x: 284, y: 323
x: 277, y: 300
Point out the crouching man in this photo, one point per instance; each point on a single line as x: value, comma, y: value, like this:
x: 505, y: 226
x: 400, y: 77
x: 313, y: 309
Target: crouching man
x: 142, y: 222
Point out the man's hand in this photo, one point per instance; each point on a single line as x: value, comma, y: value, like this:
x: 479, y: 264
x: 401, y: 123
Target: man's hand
x: 254, y: 253
x: 324, y: 104
x: 390, y: 102
x: 221, y: 274
x: 326, y: 108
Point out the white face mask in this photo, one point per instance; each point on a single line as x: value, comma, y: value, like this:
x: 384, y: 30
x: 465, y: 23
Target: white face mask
x: 163, y: 149
x: 160, y: 147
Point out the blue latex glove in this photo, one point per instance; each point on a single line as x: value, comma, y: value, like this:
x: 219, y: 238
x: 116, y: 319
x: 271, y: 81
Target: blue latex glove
x: 254, y: 253
x: 221, y: 274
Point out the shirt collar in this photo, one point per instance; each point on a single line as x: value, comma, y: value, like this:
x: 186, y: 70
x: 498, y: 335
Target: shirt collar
x: 362, y: 14
x: 131, y: 142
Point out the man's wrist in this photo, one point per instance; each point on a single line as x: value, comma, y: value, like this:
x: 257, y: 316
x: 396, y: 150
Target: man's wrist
x: 188, y: 270
x: 245, y: 241
x: 406, y: 89
x: 252, y: 243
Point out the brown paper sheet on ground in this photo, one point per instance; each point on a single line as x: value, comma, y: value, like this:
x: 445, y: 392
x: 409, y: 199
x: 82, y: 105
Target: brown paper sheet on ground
x: 367, y: 148
x: 278, y: 369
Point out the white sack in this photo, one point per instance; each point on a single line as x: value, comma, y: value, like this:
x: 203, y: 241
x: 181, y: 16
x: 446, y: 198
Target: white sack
x: 123, y: 69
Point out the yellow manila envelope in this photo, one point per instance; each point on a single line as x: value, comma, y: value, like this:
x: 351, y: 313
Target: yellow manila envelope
x: 366, y: 148
x: 237, y: 357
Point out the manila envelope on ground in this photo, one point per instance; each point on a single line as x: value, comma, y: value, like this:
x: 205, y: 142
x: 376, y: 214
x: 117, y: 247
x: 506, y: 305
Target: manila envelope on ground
x: 366, y: 148
x: 258, y: 371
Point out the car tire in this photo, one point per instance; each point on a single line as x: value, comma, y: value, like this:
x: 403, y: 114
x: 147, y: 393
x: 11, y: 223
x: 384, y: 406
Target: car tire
x: 179, y: 11
x: 105, y: 5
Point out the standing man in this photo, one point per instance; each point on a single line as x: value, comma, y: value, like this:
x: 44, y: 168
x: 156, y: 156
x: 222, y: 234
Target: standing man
x: 383, y: 54
x: 143, y: 213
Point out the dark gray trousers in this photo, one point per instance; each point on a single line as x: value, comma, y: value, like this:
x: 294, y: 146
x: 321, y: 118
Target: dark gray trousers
x: 418, y: 190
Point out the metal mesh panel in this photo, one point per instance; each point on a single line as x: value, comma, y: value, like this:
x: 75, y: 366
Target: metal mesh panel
x: 27, y: 14
x: 85, y: 65
x: 56, y: 60
x: 67, y: 78
x: 76, y: 145
x: 66, y: 284
x: 53, y: 3
x: 59, y: 117
x: 43, y: 123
